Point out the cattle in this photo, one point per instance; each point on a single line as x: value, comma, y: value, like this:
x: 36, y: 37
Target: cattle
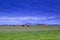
x: 25, y: 25
x: 28, y: 26
x: 13, y: 25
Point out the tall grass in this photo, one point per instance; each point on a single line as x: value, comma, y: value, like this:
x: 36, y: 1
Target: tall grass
x: 5, y: 34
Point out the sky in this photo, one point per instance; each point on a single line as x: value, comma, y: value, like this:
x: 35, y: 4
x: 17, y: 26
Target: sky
x: 29, y: 11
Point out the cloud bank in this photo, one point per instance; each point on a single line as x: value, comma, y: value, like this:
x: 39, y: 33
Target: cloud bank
x: 26, y: 18
x: 21, y: 20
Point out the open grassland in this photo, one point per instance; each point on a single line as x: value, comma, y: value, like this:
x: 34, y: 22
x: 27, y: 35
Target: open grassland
x: 30, y: 33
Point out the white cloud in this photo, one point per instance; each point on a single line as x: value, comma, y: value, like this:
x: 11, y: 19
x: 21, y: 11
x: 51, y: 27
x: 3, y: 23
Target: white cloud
x: 15, y: 19
x: 24, y: 18
x: 20, y: 20
x: 51, y: 17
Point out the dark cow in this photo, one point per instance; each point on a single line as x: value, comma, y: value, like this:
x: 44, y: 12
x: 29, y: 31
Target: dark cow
x: 25, y: 25
x: 28, y: 26
x: 13, y: 25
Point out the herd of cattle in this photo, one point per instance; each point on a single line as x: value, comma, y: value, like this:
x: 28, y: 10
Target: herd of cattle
x: 24, y: 25
x: 16, y: 25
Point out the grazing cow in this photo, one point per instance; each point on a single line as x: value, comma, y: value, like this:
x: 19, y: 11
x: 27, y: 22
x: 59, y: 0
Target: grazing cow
x: 25, y: 25
x: 13, y: 25
x: 28, y: 26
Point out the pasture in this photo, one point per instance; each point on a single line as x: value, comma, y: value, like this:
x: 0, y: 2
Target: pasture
x: 30, y: 33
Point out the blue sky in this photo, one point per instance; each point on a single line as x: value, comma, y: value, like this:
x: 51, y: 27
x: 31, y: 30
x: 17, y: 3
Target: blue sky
x: 11, y: 11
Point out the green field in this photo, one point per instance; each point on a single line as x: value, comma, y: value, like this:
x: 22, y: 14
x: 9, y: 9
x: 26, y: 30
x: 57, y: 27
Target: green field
x: 29, y: 33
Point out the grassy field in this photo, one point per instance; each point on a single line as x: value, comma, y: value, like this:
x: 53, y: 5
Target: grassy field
x: 30, y: 33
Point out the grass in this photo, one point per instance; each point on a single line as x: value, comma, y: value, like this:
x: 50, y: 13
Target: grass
x: 24, y: 33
